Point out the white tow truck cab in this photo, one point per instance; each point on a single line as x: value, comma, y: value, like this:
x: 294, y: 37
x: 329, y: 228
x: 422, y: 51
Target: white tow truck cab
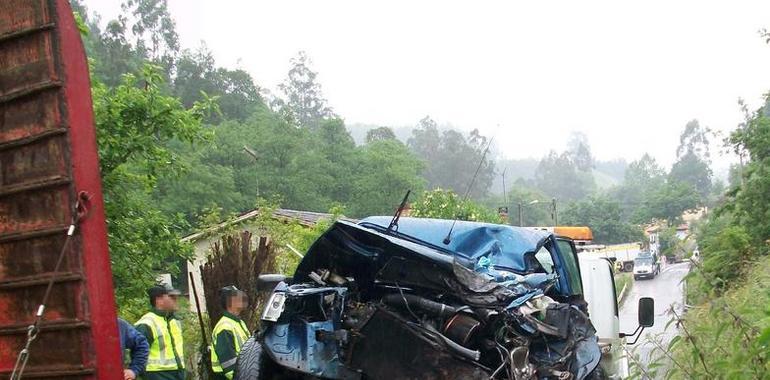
x: 600, y: 294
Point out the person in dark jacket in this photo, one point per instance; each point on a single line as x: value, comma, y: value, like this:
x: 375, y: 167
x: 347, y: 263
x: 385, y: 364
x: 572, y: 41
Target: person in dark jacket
x: 138, y: 348
x: 229, y: 334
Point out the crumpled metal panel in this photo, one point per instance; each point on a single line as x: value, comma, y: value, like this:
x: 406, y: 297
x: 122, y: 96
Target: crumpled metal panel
x: 47, y: 158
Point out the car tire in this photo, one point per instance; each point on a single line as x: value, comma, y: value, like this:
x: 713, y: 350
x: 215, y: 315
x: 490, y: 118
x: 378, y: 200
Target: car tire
x: 597, y: 374
x: 254, y: 364
x: 251, y: 362
x: 628, y: 267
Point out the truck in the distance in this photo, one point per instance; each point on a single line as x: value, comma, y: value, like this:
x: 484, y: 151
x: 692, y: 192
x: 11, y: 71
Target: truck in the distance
x: 622, y: 255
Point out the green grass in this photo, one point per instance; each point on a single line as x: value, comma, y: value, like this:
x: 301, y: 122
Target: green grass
x: 730, y: 331
x: 623, y: 280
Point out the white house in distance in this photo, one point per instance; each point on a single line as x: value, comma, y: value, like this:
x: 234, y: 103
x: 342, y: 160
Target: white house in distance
x: 203, y: 242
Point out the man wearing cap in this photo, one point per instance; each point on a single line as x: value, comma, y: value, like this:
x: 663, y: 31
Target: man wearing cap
x: 229, y: 333
x: 164, y: 334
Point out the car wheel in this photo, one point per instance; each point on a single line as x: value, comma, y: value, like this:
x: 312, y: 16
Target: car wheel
x: 636, y: 277
x: 628, y: 267
x: 254, y: 364
x: 597, y: 374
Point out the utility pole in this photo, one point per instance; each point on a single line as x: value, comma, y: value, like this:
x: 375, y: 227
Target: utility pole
x: 521, y: 217
x: 256, y: 160
x: 554, y: 213
x: 505, y: 194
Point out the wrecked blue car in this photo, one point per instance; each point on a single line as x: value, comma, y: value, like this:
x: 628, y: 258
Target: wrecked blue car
x: 412, y: 300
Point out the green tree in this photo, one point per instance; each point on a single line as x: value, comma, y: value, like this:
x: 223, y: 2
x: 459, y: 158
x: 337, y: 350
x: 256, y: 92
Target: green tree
x: 643, y: 178
x: 380, y: 133
x: 580, y: 151
x: 135, y: 125
x: 668, y: 202
x: 557, y: 176
x: 693, y: 159
x: 303, y: 103
x: 694, y: 171
x: 154, y: 30
x: 446, y: 204
x: 451, y: 159
x: 197, y: 77
x: 752, y: 199
x: 385, y: 171
x: 604, y: 217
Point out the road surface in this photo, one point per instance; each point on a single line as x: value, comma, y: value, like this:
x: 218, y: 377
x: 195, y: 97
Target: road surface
x: 667, y: 290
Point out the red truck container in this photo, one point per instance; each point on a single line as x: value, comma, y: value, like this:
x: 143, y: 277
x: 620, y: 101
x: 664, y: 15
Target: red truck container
x: 49, y: 180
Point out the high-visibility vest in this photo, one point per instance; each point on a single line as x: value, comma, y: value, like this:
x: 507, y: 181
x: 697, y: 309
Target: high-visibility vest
x: 167, y: 349
x: 240, y: 334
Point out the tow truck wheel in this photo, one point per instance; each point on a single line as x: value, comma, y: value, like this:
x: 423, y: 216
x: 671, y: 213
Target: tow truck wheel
x: 254, y: 364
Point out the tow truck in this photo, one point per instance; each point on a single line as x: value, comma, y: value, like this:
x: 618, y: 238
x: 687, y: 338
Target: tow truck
x: 57, y: 311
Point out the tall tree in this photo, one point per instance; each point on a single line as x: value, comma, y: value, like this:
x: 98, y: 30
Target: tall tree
x: 197, y: 77
x: 135, y: 123
x: 693, y: 159
x: 557, y: 176
x: 752, y: 198
x: 379, y: 134
x: 452, y: 159
x: 694, y: 139
x: 693, y: 171
x: 154, y: 30
x: 643, y: 177
x: 604, y: 217
x: 580, y: 151
x: 386, y: 169
x: 303, y: 101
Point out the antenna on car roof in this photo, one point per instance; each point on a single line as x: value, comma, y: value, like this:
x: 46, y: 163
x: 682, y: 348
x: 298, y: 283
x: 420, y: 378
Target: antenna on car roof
x: 448, y: 238
x: 394, y: 222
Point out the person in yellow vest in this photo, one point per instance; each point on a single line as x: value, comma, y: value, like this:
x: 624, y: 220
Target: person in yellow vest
x: 164, y: 334
x: 229, y: 334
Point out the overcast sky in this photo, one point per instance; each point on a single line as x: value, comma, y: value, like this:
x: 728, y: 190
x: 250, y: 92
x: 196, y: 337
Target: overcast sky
x: 627, y: 75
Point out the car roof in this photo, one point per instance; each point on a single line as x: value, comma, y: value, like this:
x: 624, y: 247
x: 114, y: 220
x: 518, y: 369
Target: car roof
x: 469, y: 239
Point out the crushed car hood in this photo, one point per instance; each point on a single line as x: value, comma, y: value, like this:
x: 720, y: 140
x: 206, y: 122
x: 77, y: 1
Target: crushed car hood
x: 505, y: 246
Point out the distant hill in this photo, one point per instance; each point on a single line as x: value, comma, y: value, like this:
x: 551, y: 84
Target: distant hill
x: 606, y: 173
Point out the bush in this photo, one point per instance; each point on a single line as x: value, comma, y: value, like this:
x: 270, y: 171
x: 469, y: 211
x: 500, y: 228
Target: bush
x: 446, y: 204
x: 726, y: 253
x: 727, y: 337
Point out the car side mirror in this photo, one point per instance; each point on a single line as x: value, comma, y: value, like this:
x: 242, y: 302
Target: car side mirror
x: 268, y: 282
x: 646, y: 318
x: 646, y: 312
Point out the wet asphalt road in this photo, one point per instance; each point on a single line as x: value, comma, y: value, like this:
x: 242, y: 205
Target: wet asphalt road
x: 667, y: 290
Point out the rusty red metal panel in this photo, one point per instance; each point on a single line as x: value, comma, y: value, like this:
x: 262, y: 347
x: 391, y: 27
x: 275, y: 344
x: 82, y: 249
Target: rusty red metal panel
x: 85, y: 171
x: 47, y: 157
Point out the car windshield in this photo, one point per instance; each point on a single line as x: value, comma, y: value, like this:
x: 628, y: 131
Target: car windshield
x: 643, y: 261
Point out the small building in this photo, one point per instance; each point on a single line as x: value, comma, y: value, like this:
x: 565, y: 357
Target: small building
x: 653, y: 238
x: 203, y: 241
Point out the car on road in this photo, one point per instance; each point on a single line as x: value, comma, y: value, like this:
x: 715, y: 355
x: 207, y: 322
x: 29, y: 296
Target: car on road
x: 646, y: 267
x: 410, y: 298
